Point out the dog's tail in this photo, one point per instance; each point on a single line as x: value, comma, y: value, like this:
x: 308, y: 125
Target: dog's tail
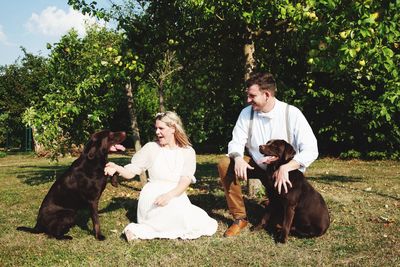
x: 34, y: 230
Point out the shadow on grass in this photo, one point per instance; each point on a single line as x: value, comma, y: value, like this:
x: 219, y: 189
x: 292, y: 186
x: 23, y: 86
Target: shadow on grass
x: 210, y: 202
x: 328, y: 179
x: 207, y: 177
x: 128, y: 204
x: 210, y: 197
x: 208, y: 181
x: 41, y: 175
x: 207, y: 202
x: 332, y: 180
x: 37, y: 175
x: 206, y: 170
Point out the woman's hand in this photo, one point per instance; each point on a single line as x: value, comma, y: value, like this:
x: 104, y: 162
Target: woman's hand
x: 110, y: 169
x: 163, y: 199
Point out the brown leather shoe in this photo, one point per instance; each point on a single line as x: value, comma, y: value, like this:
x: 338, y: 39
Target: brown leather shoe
x: 236, y: 227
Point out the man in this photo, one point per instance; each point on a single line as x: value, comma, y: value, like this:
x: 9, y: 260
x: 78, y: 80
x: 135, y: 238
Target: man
x: 270, y: 119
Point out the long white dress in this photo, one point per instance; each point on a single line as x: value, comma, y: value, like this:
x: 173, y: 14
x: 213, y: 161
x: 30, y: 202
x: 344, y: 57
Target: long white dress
x: 179, y: 218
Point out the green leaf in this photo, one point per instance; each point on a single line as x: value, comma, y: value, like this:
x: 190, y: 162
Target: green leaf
x: 388, y: 65
x: 352, y: 52
x: 388, y: 52
x: 365, y: 33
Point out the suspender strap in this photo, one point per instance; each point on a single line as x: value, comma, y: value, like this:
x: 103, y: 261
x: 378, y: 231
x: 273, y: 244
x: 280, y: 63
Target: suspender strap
x: 286, y: 120
x: 251, y: 125
x: 287, y: 124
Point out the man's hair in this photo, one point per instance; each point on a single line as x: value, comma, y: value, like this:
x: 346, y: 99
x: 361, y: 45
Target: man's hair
x: 266, y: 81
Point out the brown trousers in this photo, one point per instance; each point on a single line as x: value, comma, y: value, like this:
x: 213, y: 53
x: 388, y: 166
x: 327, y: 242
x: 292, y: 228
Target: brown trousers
x: 232, y: 187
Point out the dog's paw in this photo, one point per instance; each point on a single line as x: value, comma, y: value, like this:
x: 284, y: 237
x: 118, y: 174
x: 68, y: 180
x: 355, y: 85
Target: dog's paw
x: 100, y: 237
x: 64, y: 237
x: 257, y: 227
x: 282, y: 238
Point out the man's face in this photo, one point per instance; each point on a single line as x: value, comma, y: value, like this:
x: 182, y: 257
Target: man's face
x: 256, y: 97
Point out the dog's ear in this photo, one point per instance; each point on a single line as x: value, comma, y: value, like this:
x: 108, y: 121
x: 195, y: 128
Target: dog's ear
x: 105, y: 144
x: 92, y: 152
x: 289, y: 152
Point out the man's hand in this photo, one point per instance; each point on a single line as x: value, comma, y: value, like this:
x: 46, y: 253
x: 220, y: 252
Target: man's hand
x: 241, y: 167
x: 281, y: 177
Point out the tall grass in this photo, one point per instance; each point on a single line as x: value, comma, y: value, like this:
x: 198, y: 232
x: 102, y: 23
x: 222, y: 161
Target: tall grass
x: 363, y: 198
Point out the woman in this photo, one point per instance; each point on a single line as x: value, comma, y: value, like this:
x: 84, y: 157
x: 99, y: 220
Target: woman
x: 164, y: 209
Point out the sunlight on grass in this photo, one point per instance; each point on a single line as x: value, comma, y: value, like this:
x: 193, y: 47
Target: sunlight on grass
x: 362, y: 196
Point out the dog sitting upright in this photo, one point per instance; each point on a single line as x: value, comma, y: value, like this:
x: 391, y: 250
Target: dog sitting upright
x: 303, y: 209
x: 79, y: 187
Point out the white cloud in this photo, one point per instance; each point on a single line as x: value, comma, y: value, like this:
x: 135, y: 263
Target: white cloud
x: 56, y: 22
x: 3, y: 37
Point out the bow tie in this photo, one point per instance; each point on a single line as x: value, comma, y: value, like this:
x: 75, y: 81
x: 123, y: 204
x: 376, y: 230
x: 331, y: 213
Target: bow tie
x: 268, y: 115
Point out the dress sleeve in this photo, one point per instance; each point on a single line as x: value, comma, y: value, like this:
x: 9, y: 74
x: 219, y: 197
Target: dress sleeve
x: 142, y: 159
x: 189, y: 165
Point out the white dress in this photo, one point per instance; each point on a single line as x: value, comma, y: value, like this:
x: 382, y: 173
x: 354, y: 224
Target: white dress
x: 179, y: 218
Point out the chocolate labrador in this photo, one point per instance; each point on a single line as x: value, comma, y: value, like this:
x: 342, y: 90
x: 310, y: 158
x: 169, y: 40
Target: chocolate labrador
x: 79, y: 187
x: 301, y: 210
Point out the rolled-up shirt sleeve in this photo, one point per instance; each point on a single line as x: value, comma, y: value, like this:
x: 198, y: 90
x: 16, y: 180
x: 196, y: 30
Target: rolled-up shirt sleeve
x: 142, y: 159
x: 240, y: 132
x: 189, y: 164
x: 306, y: 142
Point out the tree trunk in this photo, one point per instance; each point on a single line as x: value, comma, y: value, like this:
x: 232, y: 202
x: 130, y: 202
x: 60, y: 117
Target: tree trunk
x: 249, y: 54
x: 254, y: 185
x: 161, y: 96
x: 39, y: 148
x: 134, y: 125
x: 162, y: 74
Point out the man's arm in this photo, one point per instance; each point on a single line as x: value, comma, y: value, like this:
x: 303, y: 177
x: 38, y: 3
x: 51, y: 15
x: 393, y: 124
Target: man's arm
x: 307, y: 148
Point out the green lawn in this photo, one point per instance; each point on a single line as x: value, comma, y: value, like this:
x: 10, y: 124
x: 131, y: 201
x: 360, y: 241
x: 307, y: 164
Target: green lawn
x: 363, y: 198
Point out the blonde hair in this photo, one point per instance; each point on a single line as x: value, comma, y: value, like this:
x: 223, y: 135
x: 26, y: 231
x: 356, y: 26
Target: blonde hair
x: 171, y: 119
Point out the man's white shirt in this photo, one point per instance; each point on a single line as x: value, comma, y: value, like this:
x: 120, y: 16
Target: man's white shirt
x: 272, y: 125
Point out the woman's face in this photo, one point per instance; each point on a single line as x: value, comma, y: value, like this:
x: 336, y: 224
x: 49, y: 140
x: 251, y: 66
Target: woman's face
x: 164, y: 133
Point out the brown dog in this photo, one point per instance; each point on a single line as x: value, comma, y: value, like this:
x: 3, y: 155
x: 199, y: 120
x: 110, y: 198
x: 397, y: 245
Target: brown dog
x: 303, y: 209
x: 80, y: 187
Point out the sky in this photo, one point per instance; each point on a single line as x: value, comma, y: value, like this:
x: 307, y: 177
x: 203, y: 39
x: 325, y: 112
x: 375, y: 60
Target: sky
x: 34, y: 23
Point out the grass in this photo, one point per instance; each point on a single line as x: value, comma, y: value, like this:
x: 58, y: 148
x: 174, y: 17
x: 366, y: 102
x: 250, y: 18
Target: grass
x: 363, y: 198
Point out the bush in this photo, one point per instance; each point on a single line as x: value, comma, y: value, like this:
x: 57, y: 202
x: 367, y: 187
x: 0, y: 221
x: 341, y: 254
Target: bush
x: 350, y: 154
